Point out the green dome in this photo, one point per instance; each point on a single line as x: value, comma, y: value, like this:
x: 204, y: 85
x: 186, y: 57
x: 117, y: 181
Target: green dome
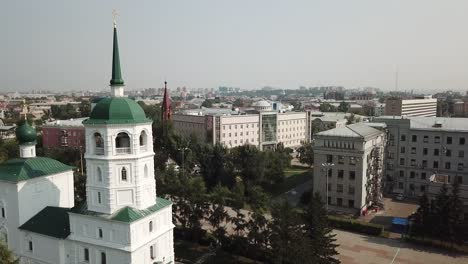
x: 117, y: 110
x: 26, y: 133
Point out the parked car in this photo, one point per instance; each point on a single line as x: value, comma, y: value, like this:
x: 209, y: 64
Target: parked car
x: 400, y: 197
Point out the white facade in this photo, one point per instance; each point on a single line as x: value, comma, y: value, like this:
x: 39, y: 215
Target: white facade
x: 263, y: 129
x: 411, y: 107
x: 348, y: 155
x: 419, y: 147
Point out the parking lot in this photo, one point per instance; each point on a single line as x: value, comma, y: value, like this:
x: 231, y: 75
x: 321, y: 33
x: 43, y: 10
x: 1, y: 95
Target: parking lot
x: 392, y: 208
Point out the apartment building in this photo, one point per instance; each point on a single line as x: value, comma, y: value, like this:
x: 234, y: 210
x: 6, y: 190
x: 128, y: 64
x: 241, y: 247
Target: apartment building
x: 349, y: 167
x: 64, y: 133
x: 264, y: 128
x: 422, y: 149
x: 425, y: 106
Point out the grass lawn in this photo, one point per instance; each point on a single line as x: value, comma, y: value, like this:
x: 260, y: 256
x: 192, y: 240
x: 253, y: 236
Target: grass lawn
x: 188, y: 252
x: 293, y: 178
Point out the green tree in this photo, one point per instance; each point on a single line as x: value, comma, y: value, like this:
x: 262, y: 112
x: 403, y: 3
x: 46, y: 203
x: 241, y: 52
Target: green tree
x: 217, y: 215
x: 352, y: 118
x: 287, y: 240
x: 207, y: 103
x: 423, y: 218
x: 441, y: 213
x: 455, y: 216
x: 250, y: 163
x: 343, y: 107
x: 238, y: 103
x: 6, y: 256
x: 306, y: 153
x: 318, y: 230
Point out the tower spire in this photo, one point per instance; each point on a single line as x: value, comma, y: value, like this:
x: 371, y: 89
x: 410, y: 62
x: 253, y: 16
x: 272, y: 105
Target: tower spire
x: 166, y: 105
x: 116, y: 82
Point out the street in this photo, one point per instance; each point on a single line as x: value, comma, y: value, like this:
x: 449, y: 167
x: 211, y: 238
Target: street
x: 361, y: 249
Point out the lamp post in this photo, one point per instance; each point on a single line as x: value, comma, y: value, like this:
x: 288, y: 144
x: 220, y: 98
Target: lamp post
x: 183, y: 161
x: 327, y: 167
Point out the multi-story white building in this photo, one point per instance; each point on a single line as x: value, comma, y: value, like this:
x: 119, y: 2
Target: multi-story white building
x: 121, y: 222
x: 348, y: 166
x: 262, y: 128
x: 421, y: 148
x: 426, y: 106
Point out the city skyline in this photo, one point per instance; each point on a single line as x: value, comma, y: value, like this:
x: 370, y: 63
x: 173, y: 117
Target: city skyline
x: 63, y: 46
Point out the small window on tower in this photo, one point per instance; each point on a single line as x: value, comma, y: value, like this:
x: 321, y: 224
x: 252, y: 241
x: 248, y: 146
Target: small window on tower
x: 124, y: 174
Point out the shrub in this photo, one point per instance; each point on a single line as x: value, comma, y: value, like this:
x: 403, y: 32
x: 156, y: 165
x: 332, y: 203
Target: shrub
x: 355, y: 226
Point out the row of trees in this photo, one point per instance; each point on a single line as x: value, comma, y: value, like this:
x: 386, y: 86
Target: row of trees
x: 442, y: 218
x: 285, y: 236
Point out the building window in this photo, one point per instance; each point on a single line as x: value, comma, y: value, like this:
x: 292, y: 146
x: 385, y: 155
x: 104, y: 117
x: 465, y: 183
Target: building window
x: 103, y: 258
x: 340, y: 174
x: 402, y: 161
x: 351, y: 189
x: 460, y: 179
x: 352, y: 160
x: 339, y: 201
x: 151, y: 252
x: 329, y: 158
x: 412, y: 174
x: 436, y: 139
x: 151, y: 226
x: 422, y: 188
x: 403, y: 137
x: 402, y: 173
x: 30, y: 245
x: 436, y: 165
x: 86, y: 255
x: 352, y: 175
x: 124, y: 174
x: 461, y: 154
x: 351, y: 203
x: 447, y: 165
x: 411, y: 187
x: 414, y: 138
x: 99, y: 198
x: 339, y: 188
x: 413, y: 150
x: 436, y: 152
x: 460, y: 166
x: 99, y: 175
x: 122, y: 141
x: 100, y: 234
x: 340, y: 160
x: 402, y: 150
x: 448, y: 153
x: 329, y: 187
x: 413, y: 162
x: 449, y: 140
x: 3, y: 212
x: 462, y: 141
x: 423, y: 175
x: 426, y: 139
x: 424, y: 163
x: 400, y: 185
x: 329, y: 172
x: 425, y: 151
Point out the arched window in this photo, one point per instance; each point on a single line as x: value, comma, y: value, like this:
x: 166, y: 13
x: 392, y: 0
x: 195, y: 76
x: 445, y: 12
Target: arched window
x: 98, y: 140
x: 146, y: 171
x: 103, y: 258
x: 150, y: 225
x: 122, y: 143
x: 152, y: 252
x: 143, y: 138
x: 99, y: 175
x: 124, y: 174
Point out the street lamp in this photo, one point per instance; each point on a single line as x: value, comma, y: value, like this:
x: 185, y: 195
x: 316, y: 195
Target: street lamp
x: 183, y: 162
x: 327, y: 167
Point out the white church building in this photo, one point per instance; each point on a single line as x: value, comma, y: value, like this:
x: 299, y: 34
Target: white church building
x: 122, y: 220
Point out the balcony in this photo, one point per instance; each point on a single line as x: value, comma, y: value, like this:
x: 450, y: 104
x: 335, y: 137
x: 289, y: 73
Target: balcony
x: 123, y: 151
x: 99, y: 151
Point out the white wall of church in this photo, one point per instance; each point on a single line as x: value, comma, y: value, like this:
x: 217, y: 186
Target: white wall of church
x: 9, y: 223
x: 37, y: 193
x: 45, y: 250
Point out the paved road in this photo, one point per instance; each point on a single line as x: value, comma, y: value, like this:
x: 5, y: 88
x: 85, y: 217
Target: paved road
x: 361, y: 249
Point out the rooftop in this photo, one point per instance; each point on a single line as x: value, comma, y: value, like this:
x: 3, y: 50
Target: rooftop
x: 76, y: 122
x: 117, y: 110
x: 359, y: 130
x: 23, y: 169
x: 51, y: 221
x: 126, y: 214
x: 432, y: 123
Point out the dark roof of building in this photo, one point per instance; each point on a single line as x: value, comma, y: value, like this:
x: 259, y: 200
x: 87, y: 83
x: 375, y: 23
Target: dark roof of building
x: 23, y: 169
x: 51, y: 221
x: 126, y: 214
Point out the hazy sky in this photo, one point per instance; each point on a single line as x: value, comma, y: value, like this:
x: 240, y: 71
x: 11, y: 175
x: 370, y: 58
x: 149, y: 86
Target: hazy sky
x: 65, y: 45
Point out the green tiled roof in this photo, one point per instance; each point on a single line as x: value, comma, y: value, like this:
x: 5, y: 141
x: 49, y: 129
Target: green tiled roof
x: 51, y: 221
x: 117, y: 110
x: 126, y: 214
x: 17, y: 170
x: 26, y: 133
